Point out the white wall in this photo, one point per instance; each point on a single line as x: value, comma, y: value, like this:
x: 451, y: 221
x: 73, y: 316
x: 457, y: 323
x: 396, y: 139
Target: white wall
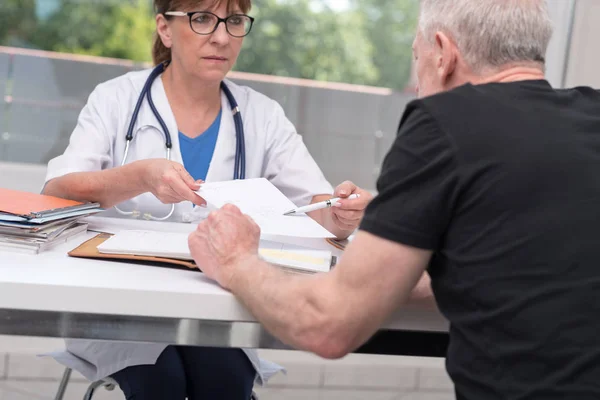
x: 27, y: 177
x: 584, y: 57
x: 561, y: 12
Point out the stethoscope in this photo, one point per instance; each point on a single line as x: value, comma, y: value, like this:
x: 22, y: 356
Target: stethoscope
x: 239, y: 171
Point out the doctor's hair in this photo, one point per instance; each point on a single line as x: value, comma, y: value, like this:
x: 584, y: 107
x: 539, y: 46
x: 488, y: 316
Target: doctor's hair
x: 161, y: 53
x: 490, y: 33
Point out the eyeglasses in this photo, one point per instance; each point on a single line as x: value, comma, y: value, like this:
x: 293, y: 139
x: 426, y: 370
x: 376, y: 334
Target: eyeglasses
x: 205, y: 22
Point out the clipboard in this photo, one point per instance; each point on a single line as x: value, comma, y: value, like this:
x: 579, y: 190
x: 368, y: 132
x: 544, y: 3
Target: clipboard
x: 89, y: 249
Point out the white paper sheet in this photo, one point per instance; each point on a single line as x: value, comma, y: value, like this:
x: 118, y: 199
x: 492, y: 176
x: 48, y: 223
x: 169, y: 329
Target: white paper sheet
x: 262, y: 201
x: 175, y: 245
x: 116, y: 225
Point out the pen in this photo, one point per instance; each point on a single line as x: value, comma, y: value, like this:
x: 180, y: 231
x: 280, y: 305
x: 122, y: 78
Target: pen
x: 320, y: 205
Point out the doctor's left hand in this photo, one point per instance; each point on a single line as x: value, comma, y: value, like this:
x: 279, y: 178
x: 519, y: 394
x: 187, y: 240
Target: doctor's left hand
x: 223, y: 243
x: 347, y: 214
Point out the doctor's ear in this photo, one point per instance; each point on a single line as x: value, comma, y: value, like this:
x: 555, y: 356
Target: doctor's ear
x: 164, y: 30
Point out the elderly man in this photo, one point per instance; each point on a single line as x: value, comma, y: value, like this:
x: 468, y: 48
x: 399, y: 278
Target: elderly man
x: 493, y: 187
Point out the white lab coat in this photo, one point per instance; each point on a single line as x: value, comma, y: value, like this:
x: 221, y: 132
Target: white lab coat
x: 273, y: 150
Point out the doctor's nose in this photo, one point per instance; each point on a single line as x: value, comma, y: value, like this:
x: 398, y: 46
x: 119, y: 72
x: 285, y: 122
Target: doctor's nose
x: 220, y: 35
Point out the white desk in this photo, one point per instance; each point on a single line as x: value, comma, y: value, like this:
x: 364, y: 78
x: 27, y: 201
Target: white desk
x: 53, y: 295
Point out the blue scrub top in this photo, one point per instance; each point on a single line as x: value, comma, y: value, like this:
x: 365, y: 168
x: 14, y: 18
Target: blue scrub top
x: 197, y: 153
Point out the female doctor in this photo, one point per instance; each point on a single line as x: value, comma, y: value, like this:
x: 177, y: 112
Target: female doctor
x: 145, y: 142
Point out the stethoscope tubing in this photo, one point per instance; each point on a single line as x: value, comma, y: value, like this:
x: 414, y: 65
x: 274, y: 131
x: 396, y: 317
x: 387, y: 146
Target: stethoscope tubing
x: 240, y: 151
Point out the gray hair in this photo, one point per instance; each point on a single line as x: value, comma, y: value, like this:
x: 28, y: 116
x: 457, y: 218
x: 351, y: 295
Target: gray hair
x: 490, y: 33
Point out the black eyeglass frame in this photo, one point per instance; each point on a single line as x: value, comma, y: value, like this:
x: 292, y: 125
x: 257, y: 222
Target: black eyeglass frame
x: 190, y: 14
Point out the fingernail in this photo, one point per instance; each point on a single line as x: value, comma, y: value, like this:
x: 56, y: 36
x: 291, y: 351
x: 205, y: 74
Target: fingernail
x: 343, y: 192
x: 202, y: 205
x: 336, y: 204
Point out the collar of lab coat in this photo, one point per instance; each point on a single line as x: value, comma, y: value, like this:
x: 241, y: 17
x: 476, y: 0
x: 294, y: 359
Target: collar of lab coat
x: 223, y: 160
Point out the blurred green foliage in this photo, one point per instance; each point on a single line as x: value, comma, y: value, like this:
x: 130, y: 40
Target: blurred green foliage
x: 368, y: 42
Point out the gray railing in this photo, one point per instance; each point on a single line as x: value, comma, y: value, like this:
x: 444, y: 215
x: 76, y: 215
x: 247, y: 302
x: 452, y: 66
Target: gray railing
x: 347, y: 128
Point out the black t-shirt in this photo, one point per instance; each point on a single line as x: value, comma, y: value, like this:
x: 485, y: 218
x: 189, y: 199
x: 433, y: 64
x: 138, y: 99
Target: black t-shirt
x: 502, y: 182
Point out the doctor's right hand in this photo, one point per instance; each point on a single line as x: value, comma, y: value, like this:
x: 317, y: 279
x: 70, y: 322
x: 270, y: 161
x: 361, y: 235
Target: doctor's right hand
x: 170, y: 182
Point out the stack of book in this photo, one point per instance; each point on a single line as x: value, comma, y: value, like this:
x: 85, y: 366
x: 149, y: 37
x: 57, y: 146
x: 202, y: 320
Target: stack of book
x: 31, y: 223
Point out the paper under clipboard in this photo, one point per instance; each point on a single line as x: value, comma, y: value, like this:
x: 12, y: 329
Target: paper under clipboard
x: 296, y: 258
x: 165, y: 246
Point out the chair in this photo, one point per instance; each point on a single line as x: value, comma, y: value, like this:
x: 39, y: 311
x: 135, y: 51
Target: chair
x: 107, y: 383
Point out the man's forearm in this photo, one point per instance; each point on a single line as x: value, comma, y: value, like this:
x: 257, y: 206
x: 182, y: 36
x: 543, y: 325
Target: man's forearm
x: 330, y: 314
x: 307, y: 312
x: 291, y: 307
x: 108, y: 187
